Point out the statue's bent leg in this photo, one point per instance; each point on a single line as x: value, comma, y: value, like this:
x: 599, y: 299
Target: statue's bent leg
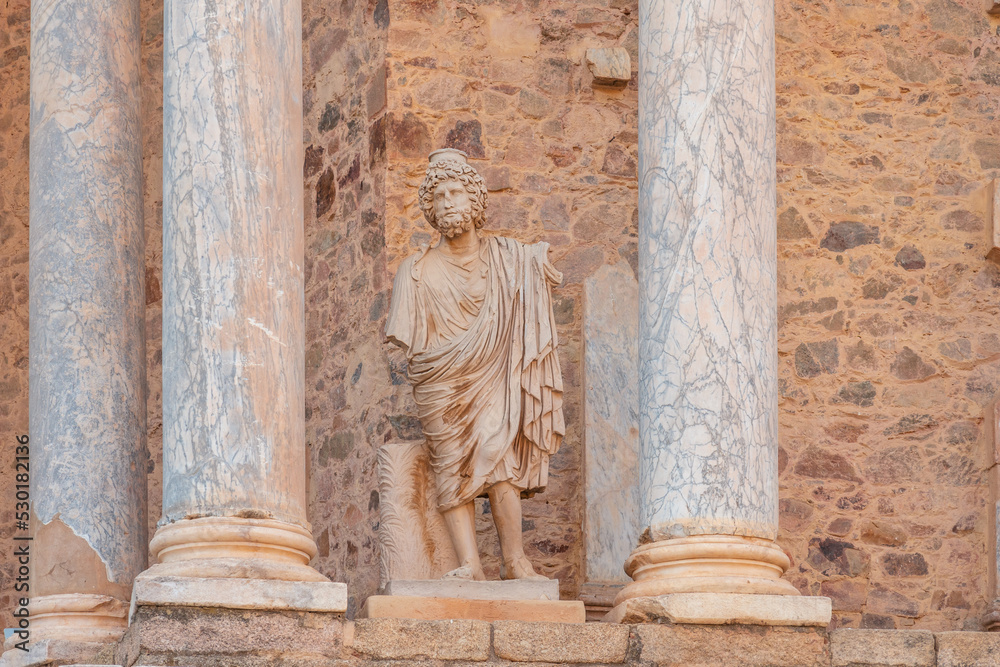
x: 461, y: 522
x: 505, y: 503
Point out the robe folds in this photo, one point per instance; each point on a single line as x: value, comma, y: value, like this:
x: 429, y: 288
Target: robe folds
x: 481, y: 342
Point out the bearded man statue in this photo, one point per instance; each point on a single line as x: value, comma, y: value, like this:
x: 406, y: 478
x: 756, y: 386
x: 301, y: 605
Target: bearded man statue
x: 474, y: 316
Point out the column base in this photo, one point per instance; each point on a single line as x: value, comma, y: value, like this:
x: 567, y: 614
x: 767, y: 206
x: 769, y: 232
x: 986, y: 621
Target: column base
x: 707, y: 564
x: 51, y: 652
x: 236, y: 563
x: 77, y: 617
x: 724, y: 609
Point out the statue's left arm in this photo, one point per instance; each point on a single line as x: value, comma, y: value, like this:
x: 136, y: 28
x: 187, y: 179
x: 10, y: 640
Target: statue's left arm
x: 541, y: 377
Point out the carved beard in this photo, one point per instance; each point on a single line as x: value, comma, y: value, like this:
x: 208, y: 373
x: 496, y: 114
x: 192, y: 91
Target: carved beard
x: 452, y: 228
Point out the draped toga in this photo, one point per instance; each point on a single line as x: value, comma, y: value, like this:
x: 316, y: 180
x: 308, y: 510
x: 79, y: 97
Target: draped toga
x: 481, y: 352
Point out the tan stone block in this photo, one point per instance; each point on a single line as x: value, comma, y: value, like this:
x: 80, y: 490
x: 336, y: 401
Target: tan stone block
x: 180, y: 632
x: 746, y: 646
x: 560, y: 642
x: 407, y: 639
x: 886, y: 648
x: 465, y: 589
x: 232, y: 593
x: 968, y: 649
x: 51, y: 652
x: 424, y: 608
x: 724, y: 609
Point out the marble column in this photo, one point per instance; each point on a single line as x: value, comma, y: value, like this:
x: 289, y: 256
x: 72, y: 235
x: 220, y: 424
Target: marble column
x: 234, y: 468
x: 707, y: 301
x: 87, y: 319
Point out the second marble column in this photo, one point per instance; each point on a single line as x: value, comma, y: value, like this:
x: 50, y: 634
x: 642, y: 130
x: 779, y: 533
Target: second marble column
x: 707, y: 294
x: 234, y: 466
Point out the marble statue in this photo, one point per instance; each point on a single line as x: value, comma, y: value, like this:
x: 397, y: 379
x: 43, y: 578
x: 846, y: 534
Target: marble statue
x: 474, y: 316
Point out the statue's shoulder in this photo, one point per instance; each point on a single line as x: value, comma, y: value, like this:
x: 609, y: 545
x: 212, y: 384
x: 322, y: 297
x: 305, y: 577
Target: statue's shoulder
x: 539, y: 248
x: 410, y: 267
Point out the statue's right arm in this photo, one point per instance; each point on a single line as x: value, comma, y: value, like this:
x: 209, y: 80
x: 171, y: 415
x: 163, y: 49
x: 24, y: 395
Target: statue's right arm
x: 399, y: 324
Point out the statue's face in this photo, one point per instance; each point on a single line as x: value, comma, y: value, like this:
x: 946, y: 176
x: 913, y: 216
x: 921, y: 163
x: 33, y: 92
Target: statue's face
x: 452, y: 208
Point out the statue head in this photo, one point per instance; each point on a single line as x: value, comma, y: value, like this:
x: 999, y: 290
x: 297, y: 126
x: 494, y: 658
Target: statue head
x: 453, y: 194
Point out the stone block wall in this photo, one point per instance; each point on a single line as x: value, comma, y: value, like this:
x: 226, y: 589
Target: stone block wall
x: 204, y: 637
x: 349, y: 385
x: 888, y: 338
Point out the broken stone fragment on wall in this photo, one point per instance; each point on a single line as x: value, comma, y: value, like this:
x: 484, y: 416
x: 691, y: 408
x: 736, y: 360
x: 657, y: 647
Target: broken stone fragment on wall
x: 610, y: 67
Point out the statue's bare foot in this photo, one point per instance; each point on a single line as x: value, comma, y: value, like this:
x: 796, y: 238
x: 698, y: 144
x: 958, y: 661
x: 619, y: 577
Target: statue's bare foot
x: 466, y: 572
x: 519, y: 568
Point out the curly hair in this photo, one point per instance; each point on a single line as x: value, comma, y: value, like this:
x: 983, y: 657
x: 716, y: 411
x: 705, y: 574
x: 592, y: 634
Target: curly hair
x: 446, y: 170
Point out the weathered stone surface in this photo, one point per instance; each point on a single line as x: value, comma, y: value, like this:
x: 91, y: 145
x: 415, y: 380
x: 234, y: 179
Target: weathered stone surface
x: 724, y: 609
x: 843, y: 236
x: 846, y: 595
x: 904, y: 565
x: 792, y: 226
x: 512, y: 589
x: 610, y: 66
x: 968, y: 649
x: 158, y: 633
x: 694, y: 646
x: 396, y: 639
x: 813, y: 359
x: 51, y: 652
x: 560, y: 642
x: 910, y: 258
x: 822, y: 464
x: 909, y: 366
x: 434, y: 609
x: 888, y: 648
x: 238, y: 593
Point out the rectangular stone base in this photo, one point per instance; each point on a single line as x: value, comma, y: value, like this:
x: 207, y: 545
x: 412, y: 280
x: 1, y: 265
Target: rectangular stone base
x: 724, y: 609
x: 440, y: 609
x: 51, y: 652
x: 203, y: 637
x: 464, y: 589
x: 232, y: 593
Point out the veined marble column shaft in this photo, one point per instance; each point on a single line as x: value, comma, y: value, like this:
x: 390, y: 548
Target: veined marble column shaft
x: 707, y: 300
x: 234, y: 471
x: 87, y: 317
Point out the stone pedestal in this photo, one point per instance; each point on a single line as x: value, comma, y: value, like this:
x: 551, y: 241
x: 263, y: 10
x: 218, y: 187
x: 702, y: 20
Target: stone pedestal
x: 414, y: 543
x: 443, y: 599
x: 707, y: 303
x: 87, y: 325
x: 53, y: 652
x: 210, y: 637
x: 724, y: 609
x: 234, y: 469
